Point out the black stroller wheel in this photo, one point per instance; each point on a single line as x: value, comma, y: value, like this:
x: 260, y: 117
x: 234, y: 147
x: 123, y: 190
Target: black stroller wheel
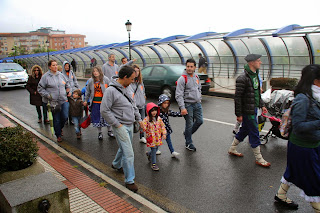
x: 264, y: 139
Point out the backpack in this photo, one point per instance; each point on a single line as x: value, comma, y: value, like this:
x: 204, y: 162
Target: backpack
x: 186, y: 79
x: 286, y: 124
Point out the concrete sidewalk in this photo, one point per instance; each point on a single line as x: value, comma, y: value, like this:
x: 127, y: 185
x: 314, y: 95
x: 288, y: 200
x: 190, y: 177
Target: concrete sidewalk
x: 85, y: 194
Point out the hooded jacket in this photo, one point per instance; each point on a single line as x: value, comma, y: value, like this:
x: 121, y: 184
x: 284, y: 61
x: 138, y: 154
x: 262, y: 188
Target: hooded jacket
x: 139, y: 96
x: 154, y: 129
x: 189, y: 92
x: 165, y: 115
x: 89, y: 92
x: 115, y: 107
x: 54, y: 86
x: 72, y: 77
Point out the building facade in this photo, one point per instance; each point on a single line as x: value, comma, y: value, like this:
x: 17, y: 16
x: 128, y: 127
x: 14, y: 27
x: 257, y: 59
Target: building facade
x: 58, y: 40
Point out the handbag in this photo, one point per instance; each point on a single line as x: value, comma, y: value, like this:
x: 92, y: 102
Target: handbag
x: 136, y: 125
x: 86, y: 120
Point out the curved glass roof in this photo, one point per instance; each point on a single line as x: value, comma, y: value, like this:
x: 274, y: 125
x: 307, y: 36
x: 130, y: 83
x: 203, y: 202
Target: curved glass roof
x: 285, y: 51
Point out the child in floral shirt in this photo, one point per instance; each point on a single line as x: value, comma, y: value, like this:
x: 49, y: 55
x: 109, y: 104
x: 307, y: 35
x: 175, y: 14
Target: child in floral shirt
x: 155, y: 131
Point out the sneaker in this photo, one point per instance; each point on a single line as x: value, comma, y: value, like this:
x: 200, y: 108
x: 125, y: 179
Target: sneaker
x: 154, y: 167
x: 158, y: 152
x: 143, y: 140
x: 59, y: 139
x: 110, y: 133
x: 78, y: 135
x: 132, y: 187
x: 120, y: 170
x: 148, y: 156
x: 100, y: 136
x: 175, y: 154
x: 191, y: 147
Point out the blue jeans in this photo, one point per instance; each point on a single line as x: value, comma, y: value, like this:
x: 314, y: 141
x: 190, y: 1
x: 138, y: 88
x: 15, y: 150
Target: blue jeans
x: 76, y: 122
x: 249, y: 127
x: 169, y: 143
x: 125, y: 155
x: 193, y: 120
x: 153, y: 154
x: 60, y: 117
x: 143, y: 115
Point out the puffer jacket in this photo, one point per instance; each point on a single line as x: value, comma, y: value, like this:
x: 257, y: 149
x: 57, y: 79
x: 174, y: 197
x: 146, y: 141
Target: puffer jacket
x: 244, y: 96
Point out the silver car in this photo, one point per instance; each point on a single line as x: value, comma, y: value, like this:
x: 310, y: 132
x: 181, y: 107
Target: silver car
x: 12, y: 75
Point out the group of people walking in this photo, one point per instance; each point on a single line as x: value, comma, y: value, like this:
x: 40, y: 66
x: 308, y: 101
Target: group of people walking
x: 116, y: 98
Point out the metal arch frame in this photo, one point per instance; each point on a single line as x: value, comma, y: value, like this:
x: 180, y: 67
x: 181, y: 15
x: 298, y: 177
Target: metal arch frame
x: 84, y: 62
x: 289, y: 59
x: 217, y: 54
x: 64, y: 57
x: 140, y: 49
x: 157, y: 52
x: 206, y: 55
x: 165, y: 52
x: 121, y: 51
x: 235, y: 59
x: 55, y: 57
x: 141, y: 56
x: 186, y: 48
x: 270, y: 60
x: 310, y: 49
x: 178, y: 51
x: 96, y: 52
x: 86, y: 54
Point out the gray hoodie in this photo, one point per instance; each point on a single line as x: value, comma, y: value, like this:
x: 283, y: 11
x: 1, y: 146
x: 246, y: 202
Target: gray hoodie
x: 115, y: 107
x: 72, y: 77
x: 54, y: 86
x: 109, y: 70
x: 139, y: 96
x: 189, y: 92
x: 90, y: 88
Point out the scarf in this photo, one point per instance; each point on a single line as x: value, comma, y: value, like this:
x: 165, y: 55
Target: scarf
x: 315, y: 92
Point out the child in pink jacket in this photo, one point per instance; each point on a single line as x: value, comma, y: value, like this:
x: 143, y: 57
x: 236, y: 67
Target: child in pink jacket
x: 155, y: 131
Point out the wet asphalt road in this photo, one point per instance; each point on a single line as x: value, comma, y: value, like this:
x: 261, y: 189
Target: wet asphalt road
x: 208, y: 180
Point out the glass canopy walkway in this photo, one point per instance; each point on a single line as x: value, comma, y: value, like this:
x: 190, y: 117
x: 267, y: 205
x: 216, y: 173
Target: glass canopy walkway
x: 285, y: 51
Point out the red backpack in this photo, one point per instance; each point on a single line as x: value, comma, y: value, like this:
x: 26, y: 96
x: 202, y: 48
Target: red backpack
x: 186, y: 79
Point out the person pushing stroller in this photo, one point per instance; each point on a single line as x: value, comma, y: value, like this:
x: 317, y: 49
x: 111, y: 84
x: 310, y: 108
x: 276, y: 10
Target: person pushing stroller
x: 247, y: 101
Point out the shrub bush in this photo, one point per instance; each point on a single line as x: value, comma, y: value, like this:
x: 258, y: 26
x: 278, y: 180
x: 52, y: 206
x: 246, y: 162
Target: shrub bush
x: 284, y: 83
x: 18, y: 149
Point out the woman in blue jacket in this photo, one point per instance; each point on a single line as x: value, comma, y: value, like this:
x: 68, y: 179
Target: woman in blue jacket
x: 303, y: 154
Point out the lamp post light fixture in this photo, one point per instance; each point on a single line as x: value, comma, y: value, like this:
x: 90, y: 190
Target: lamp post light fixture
x: 48, y: 43
x: 128, y: 26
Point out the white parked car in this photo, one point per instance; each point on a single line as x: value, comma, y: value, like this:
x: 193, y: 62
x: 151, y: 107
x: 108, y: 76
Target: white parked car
x: 12, y: 75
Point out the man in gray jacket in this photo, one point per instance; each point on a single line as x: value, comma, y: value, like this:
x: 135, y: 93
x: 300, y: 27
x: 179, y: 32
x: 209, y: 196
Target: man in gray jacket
x: 110, y: 68
x: 119, y: 110
x: 188, y: 96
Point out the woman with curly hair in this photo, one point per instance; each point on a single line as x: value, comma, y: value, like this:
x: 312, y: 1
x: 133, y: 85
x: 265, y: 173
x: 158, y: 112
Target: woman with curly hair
x: 35, y: 97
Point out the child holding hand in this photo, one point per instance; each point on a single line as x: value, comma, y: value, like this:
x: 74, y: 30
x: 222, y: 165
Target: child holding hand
x: 165, y: 112
x: 155, y: 131
x: 76, y: 109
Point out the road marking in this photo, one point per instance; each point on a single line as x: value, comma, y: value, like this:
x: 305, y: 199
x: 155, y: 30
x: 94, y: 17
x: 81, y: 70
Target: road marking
x: 133, y: 195
x: 225, y: 123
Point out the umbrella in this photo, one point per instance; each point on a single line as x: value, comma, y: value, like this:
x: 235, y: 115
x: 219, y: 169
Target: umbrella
x: 50, y: 118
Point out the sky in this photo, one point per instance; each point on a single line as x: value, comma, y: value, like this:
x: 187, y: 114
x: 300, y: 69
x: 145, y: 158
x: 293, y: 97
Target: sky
x: 103, y: 22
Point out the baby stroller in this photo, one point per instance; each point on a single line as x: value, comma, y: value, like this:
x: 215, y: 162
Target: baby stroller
x: 278, y: 102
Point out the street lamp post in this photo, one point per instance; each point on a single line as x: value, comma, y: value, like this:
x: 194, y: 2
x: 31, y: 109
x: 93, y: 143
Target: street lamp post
x: 128, y: 26
x: 48, y: 43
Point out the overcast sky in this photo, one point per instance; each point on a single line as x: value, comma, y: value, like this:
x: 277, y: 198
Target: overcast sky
x: 103, y: 22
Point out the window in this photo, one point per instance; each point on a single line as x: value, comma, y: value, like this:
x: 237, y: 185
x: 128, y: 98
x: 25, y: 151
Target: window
x: 55, y: 44
x: 146, y: 71
x: 80, y: 43
x: 159, y: 71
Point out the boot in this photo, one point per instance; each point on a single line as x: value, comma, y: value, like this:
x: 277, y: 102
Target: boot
x: 232, y: 149
x: 259, y: 159
x: 316, y: 207
x: 281, y: 197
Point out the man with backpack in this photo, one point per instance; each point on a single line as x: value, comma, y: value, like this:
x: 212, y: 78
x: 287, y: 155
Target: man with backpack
x: 247, y: 101
x: 202, y: 64
x: 188, y: 96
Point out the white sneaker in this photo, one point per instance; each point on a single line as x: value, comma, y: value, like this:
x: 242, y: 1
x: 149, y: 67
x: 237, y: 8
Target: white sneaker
x: 158, y: 152
x: 175, y: 154
x: 143, y: 140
